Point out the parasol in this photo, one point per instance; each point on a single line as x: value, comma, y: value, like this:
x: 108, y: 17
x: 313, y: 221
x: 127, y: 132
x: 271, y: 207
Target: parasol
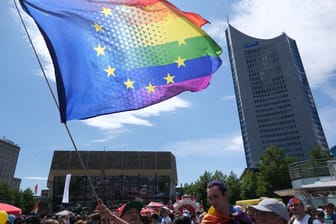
x: 10, y: 209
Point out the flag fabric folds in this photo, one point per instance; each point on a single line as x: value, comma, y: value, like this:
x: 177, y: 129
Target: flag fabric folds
x: 36, y: 207
x: 118, y: 55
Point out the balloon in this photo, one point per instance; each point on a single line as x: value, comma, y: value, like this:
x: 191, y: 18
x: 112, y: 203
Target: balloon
x: 3, y: 217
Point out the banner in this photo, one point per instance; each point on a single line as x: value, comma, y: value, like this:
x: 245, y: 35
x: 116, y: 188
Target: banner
x: 66, y: 189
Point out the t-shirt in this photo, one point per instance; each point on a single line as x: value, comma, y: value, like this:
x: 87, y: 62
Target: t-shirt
x: 305, y: 220
x: 166, y: 220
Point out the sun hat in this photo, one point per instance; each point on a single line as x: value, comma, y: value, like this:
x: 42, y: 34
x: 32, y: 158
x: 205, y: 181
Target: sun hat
x: 272, y: 205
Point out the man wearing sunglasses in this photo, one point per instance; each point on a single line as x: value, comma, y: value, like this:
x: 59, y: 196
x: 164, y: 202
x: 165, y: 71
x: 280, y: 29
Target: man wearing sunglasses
x: 269, y: 210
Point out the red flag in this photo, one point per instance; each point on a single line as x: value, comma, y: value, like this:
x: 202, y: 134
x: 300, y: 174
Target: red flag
x: 35, y: 189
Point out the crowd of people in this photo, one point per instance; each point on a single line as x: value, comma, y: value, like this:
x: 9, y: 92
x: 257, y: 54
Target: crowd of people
x: 267, y: 211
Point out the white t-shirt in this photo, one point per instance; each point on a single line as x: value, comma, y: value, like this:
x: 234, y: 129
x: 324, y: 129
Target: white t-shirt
x: 305, y: 220
x: 166, y: 220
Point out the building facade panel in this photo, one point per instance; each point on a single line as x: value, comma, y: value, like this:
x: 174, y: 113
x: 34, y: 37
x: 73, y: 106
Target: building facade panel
x: 151, y: 176
x: 274, y: 100
x: 9, y: 154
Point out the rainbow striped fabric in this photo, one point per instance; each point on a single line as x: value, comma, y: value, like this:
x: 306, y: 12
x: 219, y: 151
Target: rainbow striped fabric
x: 119, y: 55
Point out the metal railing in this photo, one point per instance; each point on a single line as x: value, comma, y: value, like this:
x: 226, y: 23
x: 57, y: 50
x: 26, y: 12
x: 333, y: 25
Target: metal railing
x: 313, y: 168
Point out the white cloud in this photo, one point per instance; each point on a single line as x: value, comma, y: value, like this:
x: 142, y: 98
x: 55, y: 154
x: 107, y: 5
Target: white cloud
x: 229, y: 98
x: 216, y: 30
x: 111, y: 122
x: 38, y: 42
x: 309, y: 22
x: 327, y: 115
x: 35, y: 178
x: 208, y: 147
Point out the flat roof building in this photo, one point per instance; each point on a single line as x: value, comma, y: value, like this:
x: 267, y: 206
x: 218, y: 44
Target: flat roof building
x: 9, y: 153
x: 117, y: 176
x: 274, y: 100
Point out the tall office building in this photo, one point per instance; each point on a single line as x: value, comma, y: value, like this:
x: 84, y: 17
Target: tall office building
x: 9, y: 153
x: 274, y: 100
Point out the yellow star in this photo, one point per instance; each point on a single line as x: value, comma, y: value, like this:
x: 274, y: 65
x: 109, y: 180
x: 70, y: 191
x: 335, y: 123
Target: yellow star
x: 150, y: 88
x: 110, y: 71
x: 106, y: 11
x: 181, y: 41
x: 180, y: 61
x: 98, y: 27
x: 100, y: 50
x: 129, y: 84
x: 169, y: 78
x: 149, y: 8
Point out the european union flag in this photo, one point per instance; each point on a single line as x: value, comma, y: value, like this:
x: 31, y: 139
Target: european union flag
x: 118, y: 55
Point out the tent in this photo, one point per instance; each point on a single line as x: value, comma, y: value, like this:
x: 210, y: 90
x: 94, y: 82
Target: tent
x: 148, y: 211
x: 154, y: 204
x: 10, y: 209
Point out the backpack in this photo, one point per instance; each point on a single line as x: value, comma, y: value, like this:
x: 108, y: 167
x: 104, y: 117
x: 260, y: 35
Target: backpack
x: 310, y: 220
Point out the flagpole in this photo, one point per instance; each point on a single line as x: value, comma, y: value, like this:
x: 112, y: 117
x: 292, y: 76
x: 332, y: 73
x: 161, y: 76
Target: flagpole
x: 56, y: 103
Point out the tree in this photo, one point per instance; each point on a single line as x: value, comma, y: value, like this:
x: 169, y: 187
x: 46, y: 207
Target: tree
x: 6, y: 194
x: 28, y: 201
x: 233, y: 185
x: 22, y: 199
x: 249, y: 184
x: 274, y: 173
x: 199, y: 187
x: 319, y: 153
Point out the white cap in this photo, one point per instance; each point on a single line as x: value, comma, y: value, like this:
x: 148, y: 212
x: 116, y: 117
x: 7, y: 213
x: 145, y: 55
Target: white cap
x: 272, y: 205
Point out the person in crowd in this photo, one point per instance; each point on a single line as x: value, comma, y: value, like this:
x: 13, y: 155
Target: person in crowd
x: 330, y: 215
x: 310, y: 210
x: 165, y: 218
x: 129, y: 213
x: 155, y: 218
x: 218, y: 196
x: 221, y: 210
x: 194, y: 218
x: 269, y: 210
x: 319, y: 215
x: 298, y: 212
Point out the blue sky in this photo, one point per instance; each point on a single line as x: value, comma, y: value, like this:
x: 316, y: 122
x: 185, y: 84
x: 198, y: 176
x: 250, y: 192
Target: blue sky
x: 201, y: 129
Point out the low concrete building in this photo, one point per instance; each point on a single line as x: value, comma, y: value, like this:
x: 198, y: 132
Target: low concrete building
x: 116, y: 176
x: 314, y: 181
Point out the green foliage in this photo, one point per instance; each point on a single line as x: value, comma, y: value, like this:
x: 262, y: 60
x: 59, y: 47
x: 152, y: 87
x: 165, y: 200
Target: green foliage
x: 233, y: 184
x: 274, y: 173
x: 199, y: 187
x: 6, y: 194
x: 319, y: 153
x: 22, y: 199
x: 270, y: 175
x: 249, y: 184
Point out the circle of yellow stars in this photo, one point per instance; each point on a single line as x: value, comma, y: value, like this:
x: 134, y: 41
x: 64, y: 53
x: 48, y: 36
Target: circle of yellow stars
x: 111, y: 71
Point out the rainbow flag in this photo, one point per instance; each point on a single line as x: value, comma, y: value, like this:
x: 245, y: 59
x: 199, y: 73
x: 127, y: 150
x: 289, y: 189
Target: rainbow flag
x: 118, y: 55
x: 36, y: 207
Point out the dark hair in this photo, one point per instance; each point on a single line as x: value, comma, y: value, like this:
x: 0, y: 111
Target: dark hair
x: 218, y: 183
x: 155, y: 216
x: 330, y: 205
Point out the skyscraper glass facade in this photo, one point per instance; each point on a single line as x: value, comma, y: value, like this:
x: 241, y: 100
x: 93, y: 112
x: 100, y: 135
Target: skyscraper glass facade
x: 274, y: 100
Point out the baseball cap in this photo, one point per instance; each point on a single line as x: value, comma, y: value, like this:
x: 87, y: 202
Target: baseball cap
x: 272, y: 205
x: 132, y: 204
x: 294, y: 201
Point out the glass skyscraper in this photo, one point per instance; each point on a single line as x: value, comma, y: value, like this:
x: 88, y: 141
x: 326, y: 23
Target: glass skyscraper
x: 274, y: 100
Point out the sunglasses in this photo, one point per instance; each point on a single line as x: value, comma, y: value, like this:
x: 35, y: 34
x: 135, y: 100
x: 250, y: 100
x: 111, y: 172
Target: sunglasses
x: 263, y: 214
